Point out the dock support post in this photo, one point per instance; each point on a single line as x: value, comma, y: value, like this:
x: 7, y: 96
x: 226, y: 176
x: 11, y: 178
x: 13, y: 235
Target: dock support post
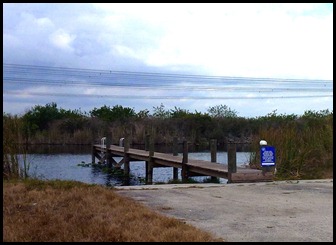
x: 147, y: 138
x: 184, y: 162
x: 213, y: 149
x: 175, y: 153
x: 93, y: 151
x: 108, y: 153
x: 126, y: 157
x: 149, y: 170
x: 232, y: 160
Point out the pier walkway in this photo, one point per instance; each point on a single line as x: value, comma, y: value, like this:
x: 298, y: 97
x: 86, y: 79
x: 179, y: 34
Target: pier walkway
x: 189, y: 167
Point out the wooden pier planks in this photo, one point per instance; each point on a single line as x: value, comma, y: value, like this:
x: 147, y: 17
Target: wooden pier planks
x: 195, y: 167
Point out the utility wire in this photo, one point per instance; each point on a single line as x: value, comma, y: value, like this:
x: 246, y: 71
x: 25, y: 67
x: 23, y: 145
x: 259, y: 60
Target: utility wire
x: 55, y: 77
x: 46, y: 82
x: 157, y: 96
x: 45, y: 70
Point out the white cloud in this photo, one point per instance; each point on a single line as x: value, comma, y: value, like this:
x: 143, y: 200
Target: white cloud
x: 10, y: 41
x: 125, y: 51
x: 62, y: 39
x: 44, y: 23
x: 259, y: 40
x: 260, y: 43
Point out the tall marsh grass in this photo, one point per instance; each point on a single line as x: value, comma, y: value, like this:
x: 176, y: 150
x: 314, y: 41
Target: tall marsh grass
x: 12, y: 148
x: 304, y: 146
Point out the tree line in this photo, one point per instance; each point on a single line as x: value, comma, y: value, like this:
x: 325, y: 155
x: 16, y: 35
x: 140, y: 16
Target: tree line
x: 53, y: 125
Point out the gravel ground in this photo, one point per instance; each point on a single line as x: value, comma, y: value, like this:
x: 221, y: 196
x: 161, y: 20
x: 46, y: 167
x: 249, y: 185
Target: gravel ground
x: 279, y: 211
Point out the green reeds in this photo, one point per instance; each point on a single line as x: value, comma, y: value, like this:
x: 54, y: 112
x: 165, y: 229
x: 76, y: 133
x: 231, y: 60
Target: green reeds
x: 12, y: 149
x: 304, y: 147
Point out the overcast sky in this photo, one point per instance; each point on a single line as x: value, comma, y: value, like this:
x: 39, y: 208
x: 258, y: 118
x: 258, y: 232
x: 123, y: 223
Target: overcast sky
x: 254, y: 58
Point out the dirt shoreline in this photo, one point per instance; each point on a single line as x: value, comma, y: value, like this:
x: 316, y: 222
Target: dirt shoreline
x: 279, y: 211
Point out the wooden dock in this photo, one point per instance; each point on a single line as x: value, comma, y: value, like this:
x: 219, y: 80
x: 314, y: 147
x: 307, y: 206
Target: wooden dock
x: 189, y: 167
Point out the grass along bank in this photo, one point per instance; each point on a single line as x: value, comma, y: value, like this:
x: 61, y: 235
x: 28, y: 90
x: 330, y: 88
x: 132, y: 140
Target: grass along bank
x: 70, y: 211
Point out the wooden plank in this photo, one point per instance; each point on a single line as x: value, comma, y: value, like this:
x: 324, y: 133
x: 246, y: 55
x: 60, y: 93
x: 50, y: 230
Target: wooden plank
x: 209, y: 172
x: 164, y: 162
x: 252, y: 176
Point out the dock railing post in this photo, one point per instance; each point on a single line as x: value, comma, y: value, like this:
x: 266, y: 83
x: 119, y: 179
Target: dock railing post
x: 175, y: 153
x: 184, y: 162
x: 93, y: 152
x: 232, y: 160
x: 126, y: 157
x: 149, y: 170
x: 147, y: 138
x: 213, y: 149
x: 108, y: 153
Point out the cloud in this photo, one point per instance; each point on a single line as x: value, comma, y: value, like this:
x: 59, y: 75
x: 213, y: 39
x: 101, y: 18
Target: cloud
x: 259, y: 40
x: 62, y: 39
x: 273, y: 40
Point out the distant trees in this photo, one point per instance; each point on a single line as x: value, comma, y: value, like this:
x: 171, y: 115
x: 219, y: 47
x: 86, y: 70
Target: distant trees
x: 221, y: 111
x: 160, y: 112
x: 179, y: 113
x: 220, y: 122
x: 117, y: 112
x: 143, y: 114
x: 39, y: 117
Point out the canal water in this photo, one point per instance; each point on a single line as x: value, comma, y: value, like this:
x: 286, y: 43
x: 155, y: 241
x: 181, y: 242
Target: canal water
x: 74, y: 163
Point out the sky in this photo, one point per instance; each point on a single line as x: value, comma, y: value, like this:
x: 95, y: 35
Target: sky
x: 255, y: 58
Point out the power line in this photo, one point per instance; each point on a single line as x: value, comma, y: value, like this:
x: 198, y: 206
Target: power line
x: 47, y: 82
x: 73, y: 77
x: 135, y: 97
x: 45, y: 70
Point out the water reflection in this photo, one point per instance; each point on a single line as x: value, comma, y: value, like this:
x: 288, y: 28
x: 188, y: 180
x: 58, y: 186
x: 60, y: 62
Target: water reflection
x: 58, y: 149
x: 164, y: 148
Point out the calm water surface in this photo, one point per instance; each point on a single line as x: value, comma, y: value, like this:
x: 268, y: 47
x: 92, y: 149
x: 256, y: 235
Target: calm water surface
x: 53, y: 164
